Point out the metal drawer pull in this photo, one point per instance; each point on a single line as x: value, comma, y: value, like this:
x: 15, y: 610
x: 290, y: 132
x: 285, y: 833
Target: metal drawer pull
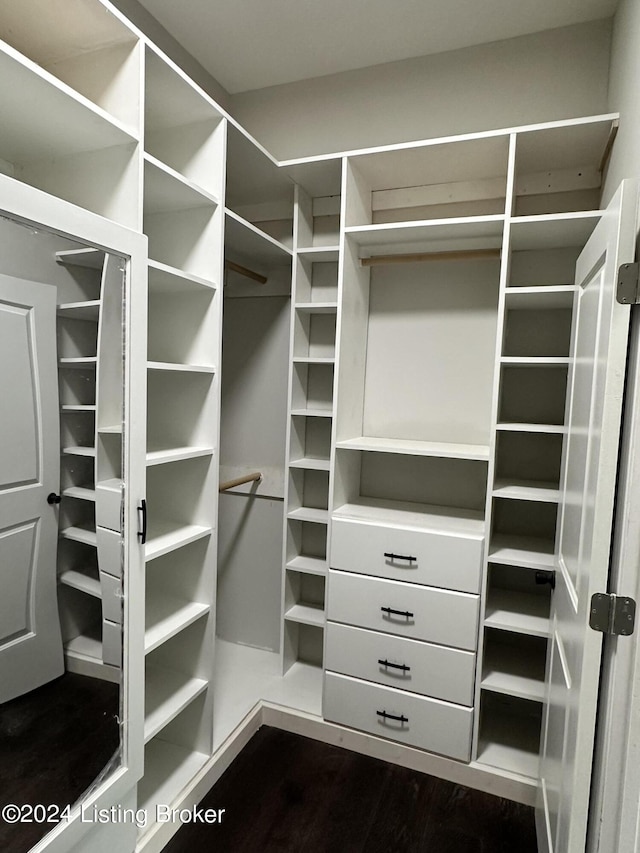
x: 400, y: 557
x: 385, y: 716
x: 401, y: 666
x: 391, y: 612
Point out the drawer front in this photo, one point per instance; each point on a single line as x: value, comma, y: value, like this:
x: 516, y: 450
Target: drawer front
x: 109, y: 551
x: 109, y: 506
x: 426, y: 723
x: 439, y: 559
x: 398, y: 662
x: 418, y: 612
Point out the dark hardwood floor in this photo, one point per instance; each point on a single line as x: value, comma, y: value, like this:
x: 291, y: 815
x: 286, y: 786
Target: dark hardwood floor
x: 288, y: 793
x: 54, y: 742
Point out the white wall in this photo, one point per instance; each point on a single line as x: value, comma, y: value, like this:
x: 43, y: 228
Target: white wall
x: 551, y: 75
x: 624, y: 94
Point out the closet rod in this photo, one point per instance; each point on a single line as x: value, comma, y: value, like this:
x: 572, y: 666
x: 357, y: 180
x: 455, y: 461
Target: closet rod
x: 466, y: 254
x: 239, y: 481
x: 255, y: 276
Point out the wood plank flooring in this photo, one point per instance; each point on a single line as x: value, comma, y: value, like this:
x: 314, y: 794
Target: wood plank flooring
x: 54, y: 742
x: 285, y: 792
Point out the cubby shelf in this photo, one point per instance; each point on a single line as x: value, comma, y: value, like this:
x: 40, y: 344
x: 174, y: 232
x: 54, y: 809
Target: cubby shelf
x: 510, y: 741
x: 309, y: 565
x: 164, y: 278
x: 542, y: 297
x: 166, y: 616
x: 88, y: 310
x: 312, y: 413
x: 90, y: 258
x: 526, y: 490
x: 184, y: 368
x: 82, y: 493
x: 246, y: 240
x: 83, y: 363
x: 310, y: 464
x: 175, y: 454
x: 319, y: 253
x: 298, y: 359
x: 80, y: 534
x: 527, y: 552
x: 304, y: 513
x: 554, y: 230
x: 168, y: 768
x: 72, y: 407
x: 83, y: 581
x: 510, y: 671
x: 167, y: 190
x: 478, y: 452
x: 317, y: 307
x: 167, y: 693
x: 431, y: 234
x: 537, y: 361
x: 405, y: 513
x: 85, y: 647
x: 168, y: 536
x: 79, y: 451
x: 556, y: 429
x: 305, y: 614
x: 520, y: 612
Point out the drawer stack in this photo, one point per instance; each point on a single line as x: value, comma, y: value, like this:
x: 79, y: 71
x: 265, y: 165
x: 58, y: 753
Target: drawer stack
x: 402, y: 633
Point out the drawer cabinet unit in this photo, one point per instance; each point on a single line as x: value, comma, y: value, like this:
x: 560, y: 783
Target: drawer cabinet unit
x: 419, y: 612
x: 419, y: 721
x: 418, y: 667
x: 430, y: 557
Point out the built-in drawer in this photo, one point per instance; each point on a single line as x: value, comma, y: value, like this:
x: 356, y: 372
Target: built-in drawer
x: 444, y: 559
x: 420, y: 612
x: 420, y: 667
x: 414, y: 720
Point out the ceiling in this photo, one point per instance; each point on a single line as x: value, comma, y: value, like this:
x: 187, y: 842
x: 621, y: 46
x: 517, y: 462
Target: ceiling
x: 250, y: 44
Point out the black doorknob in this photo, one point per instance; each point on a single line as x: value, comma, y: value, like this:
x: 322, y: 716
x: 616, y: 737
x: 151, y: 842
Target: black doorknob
x: 52, y: 498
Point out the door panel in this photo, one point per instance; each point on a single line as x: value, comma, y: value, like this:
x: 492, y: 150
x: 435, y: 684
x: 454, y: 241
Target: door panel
x: 30, y: 639
x: 587, y: 490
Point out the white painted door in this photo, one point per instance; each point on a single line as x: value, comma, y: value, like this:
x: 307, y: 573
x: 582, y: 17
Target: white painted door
x: 30, y: 640
x: 587, y: 489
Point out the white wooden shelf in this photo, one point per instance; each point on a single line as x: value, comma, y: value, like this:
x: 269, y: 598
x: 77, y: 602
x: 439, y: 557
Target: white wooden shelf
x: 166, y: 616
x: 88, y: 310
x: 58, y: 122
x: 244, y: 239
x: 164, y: 278
x: 167, y: 770
x: 527, y: 552
x: 161, y: 456
x: 82, y: 493
x: 406, y: 514
x: 84, y: 581
x: 111, y: 429
x: 522, y: 613
x: 311, y: 464
x: 513, y: 671
x: 305, y: 614
x: 85, y: 647
x: 552, y: 429
x: 72, y: 407
x: 89, y: 258
x: 317, y: 307
x: 166, y: 536
x: 319, y: 253
x: 416, y: 448
x: 180, y: 368
x: 554, y: 230
x: 526, y: 490
x: 305, y: 359
x: 79, y: 451
x: 510, y: 742
x: 538, y: 298
x: 80, y: 534
x: 537, y: 361
x: 309, y: 565
x: 304, y: 513
x: 167, y: 693
x: 166, y: 190
x: 313, y: 413
x: 83, y: 363
x: 430, y: 234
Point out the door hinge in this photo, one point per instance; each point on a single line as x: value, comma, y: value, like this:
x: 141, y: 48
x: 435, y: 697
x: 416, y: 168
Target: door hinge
x: 628, y: 285
x: 612, y: 614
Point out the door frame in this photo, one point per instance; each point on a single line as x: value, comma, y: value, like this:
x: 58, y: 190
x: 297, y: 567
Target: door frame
x: 32, y: 207
x: 614, y: 825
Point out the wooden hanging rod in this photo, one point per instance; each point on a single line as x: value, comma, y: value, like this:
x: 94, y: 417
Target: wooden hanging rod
x: 255, y: 276
x: 609, y: 145
x: 240, y: 481
x: 467, y: 255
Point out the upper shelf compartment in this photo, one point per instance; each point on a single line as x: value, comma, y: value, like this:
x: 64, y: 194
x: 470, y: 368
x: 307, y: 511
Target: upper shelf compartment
x: 183, y: 128
x: 93, y: 53
x: 559, y: 169
x: 257, y: 190
x: 428, y: 181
